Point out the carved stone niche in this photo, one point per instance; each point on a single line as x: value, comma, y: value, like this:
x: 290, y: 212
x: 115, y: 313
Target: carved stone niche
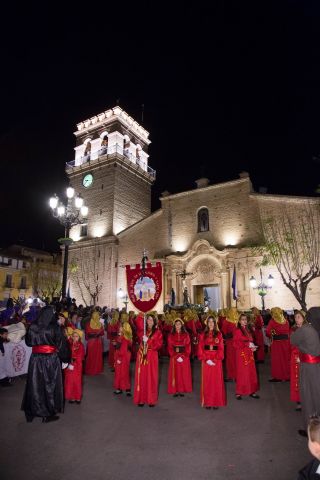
x: 206, y: 272
x: 202, y: 249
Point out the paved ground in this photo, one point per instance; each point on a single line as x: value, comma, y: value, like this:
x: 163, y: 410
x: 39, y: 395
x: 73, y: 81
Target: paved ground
x: 107, y: 437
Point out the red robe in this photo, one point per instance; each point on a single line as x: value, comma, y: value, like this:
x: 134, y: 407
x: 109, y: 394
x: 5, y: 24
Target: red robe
x: 112, y: 333
x: 73, y: 378
x: 246, y: 374
x: 228, y: 329
x: 147, y: 371
x: 179, y: 378
x: 294, y: 372
x: 258, y: 338
x: 166, y: 331
x: 280, y: 350
x: 94, y: 359
x: 192, y: 331
x: 122, y: 370
x: 213, y: 392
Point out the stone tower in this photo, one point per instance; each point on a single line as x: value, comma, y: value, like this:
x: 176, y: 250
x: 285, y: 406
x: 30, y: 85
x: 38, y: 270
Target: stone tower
x: 111, y: 172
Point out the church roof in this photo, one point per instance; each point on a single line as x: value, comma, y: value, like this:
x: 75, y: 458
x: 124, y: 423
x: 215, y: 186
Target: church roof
x: 207, y: 188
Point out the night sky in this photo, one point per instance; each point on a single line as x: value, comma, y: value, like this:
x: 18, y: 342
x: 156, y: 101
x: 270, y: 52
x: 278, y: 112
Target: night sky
x: 229, y: 87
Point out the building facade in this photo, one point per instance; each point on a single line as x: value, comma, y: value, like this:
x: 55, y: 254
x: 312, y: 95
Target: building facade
x: 26, y: 272
x: 204, y: 232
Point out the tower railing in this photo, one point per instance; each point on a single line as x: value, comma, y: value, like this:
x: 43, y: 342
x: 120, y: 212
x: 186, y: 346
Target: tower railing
x: 108, y: 151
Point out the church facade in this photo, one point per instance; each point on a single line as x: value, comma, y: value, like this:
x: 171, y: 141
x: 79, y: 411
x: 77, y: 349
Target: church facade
x: 200, y: 236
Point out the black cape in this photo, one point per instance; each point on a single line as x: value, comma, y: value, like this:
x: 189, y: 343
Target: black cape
x: 43, y: 395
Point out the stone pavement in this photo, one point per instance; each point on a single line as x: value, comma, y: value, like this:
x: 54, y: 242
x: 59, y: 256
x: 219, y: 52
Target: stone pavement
x: 107, y: 437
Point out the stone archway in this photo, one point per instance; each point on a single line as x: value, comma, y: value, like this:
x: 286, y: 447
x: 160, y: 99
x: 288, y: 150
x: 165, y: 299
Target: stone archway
x: 205, y: 265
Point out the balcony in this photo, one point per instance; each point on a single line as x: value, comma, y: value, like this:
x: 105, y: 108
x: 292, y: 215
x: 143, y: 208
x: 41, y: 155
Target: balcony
x: 109, y: 152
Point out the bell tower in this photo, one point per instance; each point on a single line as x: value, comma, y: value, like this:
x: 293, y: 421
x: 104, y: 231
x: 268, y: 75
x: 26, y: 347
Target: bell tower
x: 110, y: 170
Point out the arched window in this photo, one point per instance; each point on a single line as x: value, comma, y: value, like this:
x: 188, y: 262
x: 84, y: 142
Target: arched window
x: 203, y: 220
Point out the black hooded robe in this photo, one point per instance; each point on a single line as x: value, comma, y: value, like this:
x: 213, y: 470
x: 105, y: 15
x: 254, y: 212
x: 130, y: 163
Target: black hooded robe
x: 43, y: 396
x: 307, y: 340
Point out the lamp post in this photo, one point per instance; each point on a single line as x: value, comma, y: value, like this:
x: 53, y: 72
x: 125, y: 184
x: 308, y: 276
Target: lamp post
x: 69, y: 215
x: 262, y: 287
x: 124, y: 297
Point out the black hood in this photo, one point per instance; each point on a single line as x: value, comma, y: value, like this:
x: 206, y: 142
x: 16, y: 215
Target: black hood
x: 45, y: 317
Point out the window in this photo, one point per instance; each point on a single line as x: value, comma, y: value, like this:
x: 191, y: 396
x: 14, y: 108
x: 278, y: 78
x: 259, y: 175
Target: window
x: 8, y: 283
x: 23, y: 283
x: 203, y: 220
x: 84, y: 231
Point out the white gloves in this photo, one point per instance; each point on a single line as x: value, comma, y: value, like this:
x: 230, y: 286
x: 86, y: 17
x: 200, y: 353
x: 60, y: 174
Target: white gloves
x: 64, y: 365
x: 70, y: 367
x: 210, y: 362
x: 252, y: 346
x: 179, y: 359
x: 119, y: 362
x: 145, y: 338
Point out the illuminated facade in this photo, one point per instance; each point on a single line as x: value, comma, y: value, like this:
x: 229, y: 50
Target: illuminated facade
x: 26, y: 272
x: 205, y: 231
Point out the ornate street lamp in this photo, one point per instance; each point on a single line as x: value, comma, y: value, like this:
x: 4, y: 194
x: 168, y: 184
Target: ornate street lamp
x: 69, y: 215
x: 124, y: 297
x: 262, y: 287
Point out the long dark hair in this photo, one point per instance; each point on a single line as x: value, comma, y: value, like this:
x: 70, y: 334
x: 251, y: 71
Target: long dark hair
x: 183, y: 328
x: 215, y: 329
x: 154, y: 326
x: 245, y: 331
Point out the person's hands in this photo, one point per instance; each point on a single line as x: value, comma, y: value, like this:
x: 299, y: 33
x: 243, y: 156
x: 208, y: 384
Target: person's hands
x: 145, y: 338
x: 119, y: 362
x: 210, y: 362
x: 180, y: 359
x: 70, y: 367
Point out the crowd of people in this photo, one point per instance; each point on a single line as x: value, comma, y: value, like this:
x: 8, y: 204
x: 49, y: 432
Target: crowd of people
x: 68, y: 340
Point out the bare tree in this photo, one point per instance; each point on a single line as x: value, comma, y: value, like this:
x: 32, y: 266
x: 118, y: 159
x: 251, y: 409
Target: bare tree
x: 87, y: 268
x: 45, y: 280
x: 292, y: 244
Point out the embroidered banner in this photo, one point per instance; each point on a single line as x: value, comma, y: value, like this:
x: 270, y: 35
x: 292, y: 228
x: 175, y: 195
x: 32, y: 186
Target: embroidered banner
x: 144, y: 288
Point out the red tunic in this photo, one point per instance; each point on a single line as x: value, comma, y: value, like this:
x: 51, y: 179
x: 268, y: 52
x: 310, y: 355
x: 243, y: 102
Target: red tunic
x: 213, y: 392
x: 94, y: 359
x: 179, y: 378
x: 73, y: 378
x: 280, y: 350
x: 246, y: 378
x: 294, y: 373
x: 122, y: 369
x: 228, y: 329
x: 258, y: 338
x: 147, y: 374
x: 112, y: 333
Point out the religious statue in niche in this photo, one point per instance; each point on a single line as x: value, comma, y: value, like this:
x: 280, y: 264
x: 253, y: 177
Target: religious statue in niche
x: 203, y: 220
x: 186, y: 298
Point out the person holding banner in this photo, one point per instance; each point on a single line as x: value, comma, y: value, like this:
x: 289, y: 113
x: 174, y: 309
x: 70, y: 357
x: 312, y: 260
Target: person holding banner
x: 211, y: 354
x: 179, y: 348
x: 147, y: 371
